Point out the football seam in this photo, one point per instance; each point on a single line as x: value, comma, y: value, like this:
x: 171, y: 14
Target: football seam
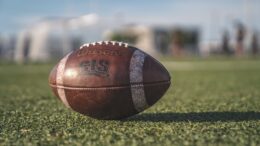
x: 111, y: 87
x: 114, y: 43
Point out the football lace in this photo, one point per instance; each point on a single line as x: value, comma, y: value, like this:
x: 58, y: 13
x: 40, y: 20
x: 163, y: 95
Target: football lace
x: 114, y: 43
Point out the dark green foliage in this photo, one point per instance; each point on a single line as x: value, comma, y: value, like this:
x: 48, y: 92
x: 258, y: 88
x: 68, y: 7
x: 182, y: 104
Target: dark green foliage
x: 209, y: 103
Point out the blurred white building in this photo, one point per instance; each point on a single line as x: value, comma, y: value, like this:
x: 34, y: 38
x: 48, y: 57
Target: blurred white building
x: 51, y: 39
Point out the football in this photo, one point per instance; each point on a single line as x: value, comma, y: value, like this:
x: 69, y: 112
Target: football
x: 109, y: 80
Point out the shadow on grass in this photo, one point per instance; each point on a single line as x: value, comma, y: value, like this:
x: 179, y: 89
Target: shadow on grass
x: 197, y: 117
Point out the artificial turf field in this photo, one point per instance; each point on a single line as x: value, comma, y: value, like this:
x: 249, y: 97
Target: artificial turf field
x: 210, y: 102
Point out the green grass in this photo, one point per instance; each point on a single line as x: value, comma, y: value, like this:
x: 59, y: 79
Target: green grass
x: 209, y: 103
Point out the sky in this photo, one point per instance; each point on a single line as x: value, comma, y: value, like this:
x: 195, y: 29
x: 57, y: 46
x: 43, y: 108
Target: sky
x: 210, y: 16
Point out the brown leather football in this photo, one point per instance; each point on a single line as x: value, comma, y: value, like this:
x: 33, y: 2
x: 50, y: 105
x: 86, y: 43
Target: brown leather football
x: 109, y: 80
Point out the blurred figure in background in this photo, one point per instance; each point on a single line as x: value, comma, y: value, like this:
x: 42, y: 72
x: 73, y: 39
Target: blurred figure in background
x: 254, y: 44
x: 240, y: 35
x: 225, y: 43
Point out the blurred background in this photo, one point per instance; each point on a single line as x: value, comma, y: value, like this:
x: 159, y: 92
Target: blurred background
x: 211, y: 49
x: 42, y: 31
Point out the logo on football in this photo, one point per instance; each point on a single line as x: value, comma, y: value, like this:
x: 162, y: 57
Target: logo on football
x: 95, y: 67
x: 109, y: 80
